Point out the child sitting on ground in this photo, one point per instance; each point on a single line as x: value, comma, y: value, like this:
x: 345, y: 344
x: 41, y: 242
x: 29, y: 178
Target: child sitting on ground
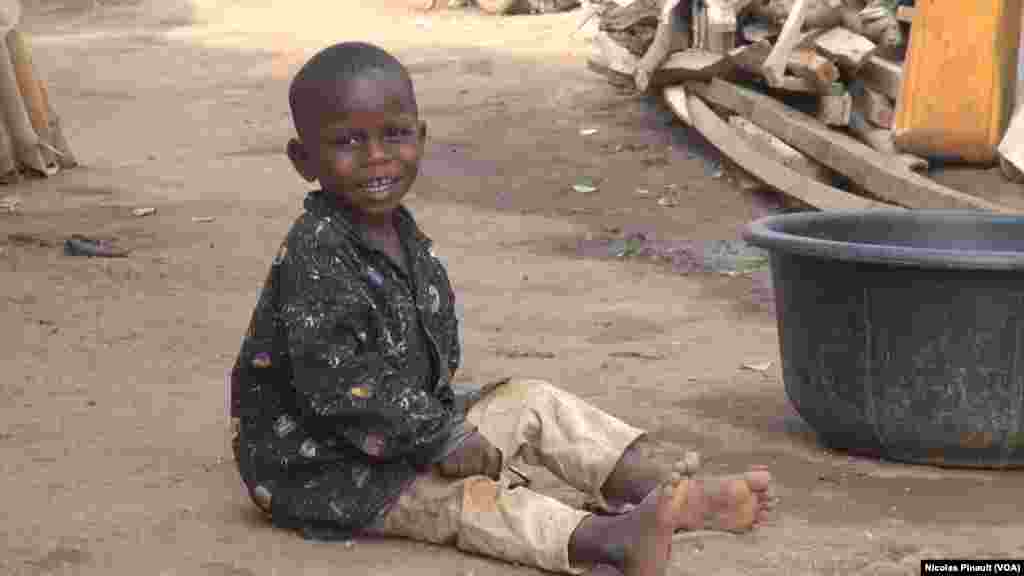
x: 348, y: 420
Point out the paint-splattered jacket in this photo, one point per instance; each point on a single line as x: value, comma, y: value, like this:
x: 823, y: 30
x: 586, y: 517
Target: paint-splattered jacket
x: 337, y: 413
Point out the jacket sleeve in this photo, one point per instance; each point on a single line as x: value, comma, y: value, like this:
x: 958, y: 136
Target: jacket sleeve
x: 455, y: 348
x: 343, y: 380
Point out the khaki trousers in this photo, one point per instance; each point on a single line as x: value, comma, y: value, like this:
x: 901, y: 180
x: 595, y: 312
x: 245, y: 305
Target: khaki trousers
x: 540, y: 425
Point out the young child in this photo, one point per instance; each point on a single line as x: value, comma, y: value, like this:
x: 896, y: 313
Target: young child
x: 348, y: 419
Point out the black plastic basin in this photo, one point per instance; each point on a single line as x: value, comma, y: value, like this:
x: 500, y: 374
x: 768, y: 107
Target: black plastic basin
x: 902, y: 332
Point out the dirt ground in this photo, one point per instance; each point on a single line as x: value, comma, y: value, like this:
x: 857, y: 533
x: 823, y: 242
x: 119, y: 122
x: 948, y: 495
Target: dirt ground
x: 112, y: 426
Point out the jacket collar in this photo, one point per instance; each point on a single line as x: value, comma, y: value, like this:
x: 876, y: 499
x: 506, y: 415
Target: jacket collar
x: 320, y: 204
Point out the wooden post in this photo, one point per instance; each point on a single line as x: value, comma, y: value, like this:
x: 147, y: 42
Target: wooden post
x: 775, y: 64
x: 31, y: 94
x: 658, y: 51
x: 26, y: 142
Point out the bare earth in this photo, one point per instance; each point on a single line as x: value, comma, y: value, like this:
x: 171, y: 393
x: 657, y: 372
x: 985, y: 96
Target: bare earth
x: 112, y: 428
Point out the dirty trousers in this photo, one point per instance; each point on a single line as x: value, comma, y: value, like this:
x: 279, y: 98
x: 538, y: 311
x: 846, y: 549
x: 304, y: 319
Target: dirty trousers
x: 540, y: 425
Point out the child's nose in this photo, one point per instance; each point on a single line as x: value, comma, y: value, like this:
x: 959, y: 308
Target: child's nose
x: 377, y: 149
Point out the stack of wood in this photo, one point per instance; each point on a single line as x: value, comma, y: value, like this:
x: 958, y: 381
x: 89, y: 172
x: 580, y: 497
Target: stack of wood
x: 32, y: 140
x: 799, y: 94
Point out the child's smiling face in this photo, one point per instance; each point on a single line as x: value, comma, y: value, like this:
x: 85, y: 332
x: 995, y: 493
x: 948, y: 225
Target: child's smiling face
x: 363, y: 142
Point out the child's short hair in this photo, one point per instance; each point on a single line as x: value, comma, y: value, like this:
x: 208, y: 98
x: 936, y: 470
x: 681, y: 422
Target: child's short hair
x: 339, y: 64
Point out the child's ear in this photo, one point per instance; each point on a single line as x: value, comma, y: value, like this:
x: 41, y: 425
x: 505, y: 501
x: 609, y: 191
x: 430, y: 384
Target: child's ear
x: 423, y: 132
x: 301, y: 160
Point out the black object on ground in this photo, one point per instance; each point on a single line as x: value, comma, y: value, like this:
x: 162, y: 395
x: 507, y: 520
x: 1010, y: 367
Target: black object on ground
x: 79, y: 245
x: 902, y: 332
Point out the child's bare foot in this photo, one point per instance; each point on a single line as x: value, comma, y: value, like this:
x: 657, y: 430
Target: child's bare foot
x: 635, y: 476
x: 639, y: 543
x: 731, y: 503
x: 648, y: 530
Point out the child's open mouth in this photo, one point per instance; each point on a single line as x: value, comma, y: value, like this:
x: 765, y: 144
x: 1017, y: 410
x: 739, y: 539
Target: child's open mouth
x: 378, y: 186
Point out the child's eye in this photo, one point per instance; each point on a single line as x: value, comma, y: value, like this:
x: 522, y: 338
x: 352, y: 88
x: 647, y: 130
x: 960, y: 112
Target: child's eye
x: 399, y: 134
x: 349, y: 140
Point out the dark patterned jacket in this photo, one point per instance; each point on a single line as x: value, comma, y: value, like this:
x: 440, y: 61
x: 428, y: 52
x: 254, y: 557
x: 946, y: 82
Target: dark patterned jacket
x: 336, y: 413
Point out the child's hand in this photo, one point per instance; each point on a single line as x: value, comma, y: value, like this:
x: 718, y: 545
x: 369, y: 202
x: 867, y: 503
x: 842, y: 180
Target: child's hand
x: 476, y: 456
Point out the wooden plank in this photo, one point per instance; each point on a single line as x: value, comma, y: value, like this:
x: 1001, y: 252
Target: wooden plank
x: 775, y: 64
x: 881, y: 139
x: 881, y: 175
x: 960, y: 73
x: 875, y: 106
x: 883, y: 76
x: 849, y: 50
x: 834, y: 109
x: 780, y: 177
x: 767, y: 144
x: 620, y: 66
x: 796, y: 85
x: 676, y: 98
x: 813, y: 67
x: 691, y: 65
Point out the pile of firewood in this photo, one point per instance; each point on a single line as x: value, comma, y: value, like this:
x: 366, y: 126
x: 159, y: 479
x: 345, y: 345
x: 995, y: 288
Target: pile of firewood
x: 799, y: 95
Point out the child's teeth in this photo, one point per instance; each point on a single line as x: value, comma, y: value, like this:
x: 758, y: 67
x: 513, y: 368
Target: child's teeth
x: 380, y: 182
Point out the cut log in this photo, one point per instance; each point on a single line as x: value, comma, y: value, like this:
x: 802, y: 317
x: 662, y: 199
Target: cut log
x: 632, y: 26
x: 813, y: 67
x: 796, y: 85
x: 775, y: 64
x: 758, y: 31
x: 883, y: 176
x: 848, y: 49
x: 623, y: 17
x: 883, y: 76
x: 823, y: 14
x: 879, y: 23
x: 881, y: 139
x: 875, y: 106
x: 721, y: 25
x: 620, y: 66
x: 500, y: 7
x: 751, y: 58
x: 669, y: 27
x: 691, y: 65
x: 780, y: 177
x: 834, y: 109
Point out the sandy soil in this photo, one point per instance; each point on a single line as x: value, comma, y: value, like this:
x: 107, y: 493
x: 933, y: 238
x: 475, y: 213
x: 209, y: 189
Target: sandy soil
x: 112, y: 427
